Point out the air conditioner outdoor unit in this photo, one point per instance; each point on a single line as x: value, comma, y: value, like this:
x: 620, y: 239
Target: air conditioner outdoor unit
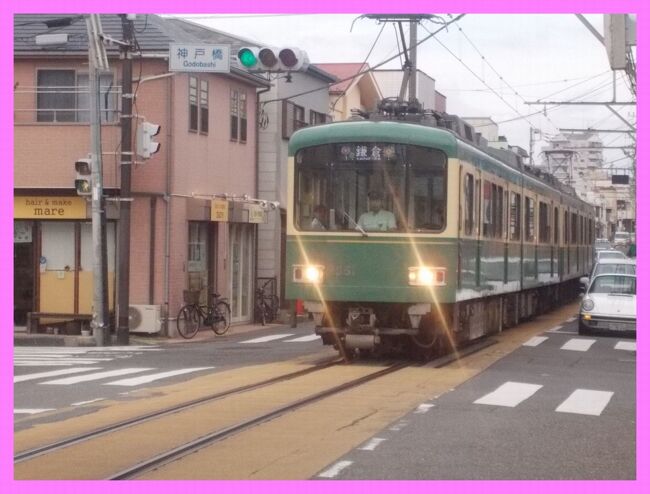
x: 144, y: 318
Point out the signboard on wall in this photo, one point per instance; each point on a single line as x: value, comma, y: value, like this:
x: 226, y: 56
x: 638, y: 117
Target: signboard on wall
x: 255, y: 213
x: 219, y: 210
x: 49, y: 208
x: 184, y: 57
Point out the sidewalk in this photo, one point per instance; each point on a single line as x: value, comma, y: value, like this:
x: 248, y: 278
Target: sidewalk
x: 206, y: 334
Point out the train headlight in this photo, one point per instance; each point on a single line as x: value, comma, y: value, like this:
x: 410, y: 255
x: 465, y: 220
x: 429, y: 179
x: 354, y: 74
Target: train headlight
x: 427, y: 276
x: 588, y: 304
x: 310, y: 273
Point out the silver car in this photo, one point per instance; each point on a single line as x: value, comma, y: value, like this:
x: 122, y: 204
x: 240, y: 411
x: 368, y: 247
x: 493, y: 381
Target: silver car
x: 609, y: 305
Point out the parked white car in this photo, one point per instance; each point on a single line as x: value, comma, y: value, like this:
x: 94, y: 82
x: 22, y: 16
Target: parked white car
x: 609, y: 254
x: 609, y: 266
x: 609, y: 305
x: 621, y: 239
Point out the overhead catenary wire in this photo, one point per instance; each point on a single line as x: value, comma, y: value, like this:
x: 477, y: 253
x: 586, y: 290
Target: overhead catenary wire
x: 542, y: 83
x: 333, y: 105
x: 524, y: 117
x: 370, y: 69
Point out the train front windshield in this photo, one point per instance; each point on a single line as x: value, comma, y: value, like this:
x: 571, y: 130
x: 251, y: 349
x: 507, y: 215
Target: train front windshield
x: 370, y: 187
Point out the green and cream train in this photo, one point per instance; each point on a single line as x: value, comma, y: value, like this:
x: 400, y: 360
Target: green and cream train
x: 457, y: 245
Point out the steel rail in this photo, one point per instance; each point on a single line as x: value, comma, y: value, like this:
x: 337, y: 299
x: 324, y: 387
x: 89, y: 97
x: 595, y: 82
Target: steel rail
x: 221, y: 434
x: 48, y: 448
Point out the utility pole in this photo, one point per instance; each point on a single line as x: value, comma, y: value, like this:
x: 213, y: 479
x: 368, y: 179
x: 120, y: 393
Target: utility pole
x: 413, y: 53
x: 126, y: 119
x: 410, y: 53
x: 530, y: 148
x: 97, y: 60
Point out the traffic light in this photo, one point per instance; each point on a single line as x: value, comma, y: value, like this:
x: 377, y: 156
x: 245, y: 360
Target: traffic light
x: 145, y: 145
x: 268, y: 59
x: 83, y: 183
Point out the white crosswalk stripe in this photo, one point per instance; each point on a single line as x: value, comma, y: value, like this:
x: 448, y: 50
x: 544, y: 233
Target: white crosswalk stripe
x: 49, y: 363
x: 509, y: 394
x: 68, y: 357
x: 372, y: 444
x: 335, y: 469
x: 536, y: 340
x: 626, y: 345
x: 135, y: 381
x: 265, y: 339
x: 97, y: 376
x: 32, y: 411
x: 309, y: 337
x: 61, y: 372
x: 578, y: 345
x: 585, y: 402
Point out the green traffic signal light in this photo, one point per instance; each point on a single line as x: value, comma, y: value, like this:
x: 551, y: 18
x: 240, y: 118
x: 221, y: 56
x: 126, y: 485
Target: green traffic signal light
x: 83, y: 187
x: 247, y: 57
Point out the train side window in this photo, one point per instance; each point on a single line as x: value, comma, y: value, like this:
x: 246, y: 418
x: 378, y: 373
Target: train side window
x: 566, y: 228
x: 469, y: 204
x: 488, y: 210
x: 574, y: 228
x: 556, y: 226
x: 477, y: 206
x: 503, y: 234
x: 529, y: 211
x: 544, y: 226
x: 515, y: 216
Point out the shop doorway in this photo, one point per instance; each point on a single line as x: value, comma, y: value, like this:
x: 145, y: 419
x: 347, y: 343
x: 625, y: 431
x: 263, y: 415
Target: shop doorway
x: 241, y: 271
x: 23, y: 271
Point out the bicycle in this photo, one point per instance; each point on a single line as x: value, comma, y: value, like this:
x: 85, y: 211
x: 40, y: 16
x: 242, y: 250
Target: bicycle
x: 266, y: 306
x: 193, y: 315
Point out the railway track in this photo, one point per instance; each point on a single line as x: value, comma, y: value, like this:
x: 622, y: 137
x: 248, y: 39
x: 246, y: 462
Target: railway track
x: 48, y: 448
x: 50, y: 460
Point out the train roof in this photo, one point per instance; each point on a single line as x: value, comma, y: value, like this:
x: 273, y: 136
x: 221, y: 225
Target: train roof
x: 372, y: 131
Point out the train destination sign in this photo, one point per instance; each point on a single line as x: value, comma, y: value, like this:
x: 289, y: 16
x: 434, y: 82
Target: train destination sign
x: 367, y: 151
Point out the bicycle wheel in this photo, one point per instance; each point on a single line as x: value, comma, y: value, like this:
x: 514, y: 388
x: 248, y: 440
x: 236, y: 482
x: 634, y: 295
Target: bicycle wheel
x: 187, y: 321
x: 221, y: 318
x: 271, y: 306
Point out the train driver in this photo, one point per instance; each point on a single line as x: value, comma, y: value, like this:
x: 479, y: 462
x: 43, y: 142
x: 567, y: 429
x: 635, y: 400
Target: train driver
x: 320, y: 218
x: 377, y: 218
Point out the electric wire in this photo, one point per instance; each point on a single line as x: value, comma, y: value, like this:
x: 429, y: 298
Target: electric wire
x: 524, y: 117
x: 333, y: 105
x: 370, y: 69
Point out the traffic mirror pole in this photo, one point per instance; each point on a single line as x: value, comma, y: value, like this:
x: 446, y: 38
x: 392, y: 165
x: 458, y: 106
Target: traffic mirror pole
x: 97, y: 61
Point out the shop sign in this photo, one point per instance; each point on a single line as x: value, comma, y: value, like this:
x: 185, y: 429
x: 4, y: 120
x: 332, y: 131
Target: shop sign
x: 22, y: 232
x: 49, y: 208
x: 219, y: 210
x: 255, y: 213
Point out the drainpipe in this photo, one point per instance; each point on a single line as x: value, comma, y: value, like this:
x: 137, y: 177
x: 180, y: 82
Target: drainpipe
x: 257, y: 179
x: 168, y: 199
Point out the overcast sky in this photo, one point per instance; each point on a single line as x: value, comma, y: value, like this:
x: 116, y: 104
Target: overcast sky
x: 550, y: 57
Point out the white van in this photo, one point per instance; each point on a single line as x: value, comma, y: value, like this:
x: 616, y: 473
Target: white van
x: 621, y: 238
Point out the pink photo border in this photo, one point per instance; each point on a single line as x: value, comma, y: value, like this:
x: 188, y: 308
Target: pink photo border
x: 9, y: 7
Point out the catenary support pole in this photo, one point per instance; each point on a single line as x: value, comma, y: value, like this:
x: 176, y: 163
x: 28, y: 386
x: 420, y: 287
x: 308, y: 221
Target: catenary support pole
x: 124, y: 246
